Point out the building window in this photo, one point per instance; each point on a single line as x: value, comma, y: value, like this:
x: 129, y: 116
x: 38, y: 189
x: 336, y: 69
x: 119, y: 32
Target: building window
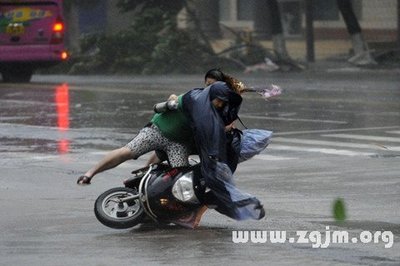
x: 225, y: 10
x: 237, y: 13
x: 245, y: 9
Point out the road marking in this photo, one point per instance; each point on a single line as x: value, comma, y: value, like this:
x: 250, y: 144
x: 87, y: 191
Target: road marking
x: 99, y: 152
x: 267, y: 157
x: 44, y: 157
x: 319, y: 150
x: 334, y: 143
x: 333, y: 130
x: 294, y: 119
x: 393, y: 132
x: 363, y: 137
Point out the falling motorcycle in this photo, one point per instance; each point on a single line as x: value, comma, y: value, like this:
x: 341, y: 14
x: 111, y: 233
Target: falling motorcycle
x: 171, y: 195
x: 158, y: 193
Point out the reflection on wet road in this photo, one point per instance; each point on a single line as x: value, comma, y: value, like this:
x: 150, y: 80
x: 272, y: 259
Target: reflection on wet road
x: 101, y: 105
x: 335, y: 135
x: 62, y: 107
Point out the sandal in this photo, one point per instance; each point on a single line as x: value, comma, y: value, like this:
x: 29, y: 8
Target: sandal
x: 83, y: 180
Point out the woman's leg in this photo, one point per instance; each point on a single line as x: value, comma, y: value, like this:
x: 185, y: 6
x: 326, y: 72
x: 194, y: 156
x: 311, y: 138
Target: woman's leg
x: 153, y: 140
x: 111, y: 160
x: 144, y: 142
x: 178, y: 154
x: 153, y: 159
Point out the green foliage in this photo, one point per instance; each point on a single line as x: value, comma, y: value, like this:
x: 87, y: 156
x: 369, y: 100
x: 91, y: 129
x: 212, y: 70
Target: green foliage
x: 124, y: 52
x: 339, y: 210
x: 178, y: 51
x: 152, y: 45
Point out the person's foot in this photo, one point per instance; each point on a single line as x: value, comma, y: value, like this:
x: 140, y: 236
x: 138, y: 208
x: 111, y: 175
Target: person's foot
x: 362, y: 59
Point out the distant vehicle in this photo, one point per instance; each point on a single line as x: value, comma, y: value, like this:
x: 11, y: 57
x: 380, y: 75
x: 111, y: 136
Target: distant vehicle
x: 31, y: 37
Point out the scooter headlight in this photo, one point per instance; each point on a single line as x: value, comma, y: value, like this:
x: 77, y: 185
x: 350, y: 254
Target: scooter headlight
x: 183, y: 189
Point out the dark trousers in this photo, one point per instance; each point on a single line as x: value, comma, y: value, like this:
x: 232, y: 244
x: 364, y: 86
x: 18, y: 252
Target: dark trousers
x: 346, y: 8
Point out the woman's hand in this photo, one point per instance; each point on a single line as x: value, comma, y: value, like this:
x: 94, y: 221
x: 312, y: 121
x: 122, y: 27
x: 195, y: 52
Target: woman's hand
x: 230, y: 127
x: 172, y: 97
x: 84, y: 180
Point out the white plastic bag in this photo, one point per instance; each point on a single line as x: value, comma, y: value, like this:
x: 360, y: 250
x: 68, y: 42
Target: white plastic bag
x: 253, y: 142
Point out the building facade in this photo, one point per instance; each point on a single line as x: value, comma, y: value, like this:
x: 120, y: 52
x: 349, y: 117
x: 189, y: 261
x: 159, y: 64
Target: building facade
x: 377, y: 18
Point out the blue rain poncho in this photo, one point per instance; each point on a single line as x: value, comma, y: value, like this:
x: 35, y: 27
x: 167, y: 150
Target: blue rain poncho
x: 208, y: 125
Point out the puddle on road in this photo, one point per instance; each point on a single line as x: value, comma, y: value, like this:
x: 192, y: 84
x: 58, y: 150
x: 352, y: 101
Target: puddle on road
x: 128, y: 107
x: 58, y: 107
x: 32, y: 145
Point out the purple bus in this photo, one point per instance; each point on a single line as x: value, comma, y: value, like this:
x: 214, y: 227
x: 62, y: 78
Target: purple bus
x: 31, y: 36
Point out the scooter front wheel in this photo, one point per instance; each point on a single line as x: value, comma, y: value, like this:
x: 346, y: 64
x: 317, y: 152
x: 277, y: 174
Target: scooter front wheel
x: 119, y: 208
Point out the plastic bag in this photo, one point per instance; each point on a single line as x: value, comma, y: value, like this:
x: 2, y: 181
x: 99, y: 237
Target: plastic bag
x: 253, y: 142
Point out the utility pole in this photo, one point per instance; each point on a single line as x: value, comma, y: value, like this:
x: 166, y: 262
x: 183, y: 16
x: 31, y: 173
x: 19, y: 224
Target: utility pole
x: 398, y: 23
x: 310, y: 31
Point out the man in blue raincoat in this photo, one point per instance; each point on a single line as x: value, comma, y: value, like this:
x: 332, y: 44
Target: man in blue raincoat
x: 209, y: 110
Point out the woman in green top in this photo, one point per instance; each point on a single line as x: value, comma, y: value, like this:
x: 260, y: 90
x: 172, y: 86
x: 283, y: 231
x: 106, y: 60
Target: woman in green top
x: 174, y: 124
x: 169, y: 132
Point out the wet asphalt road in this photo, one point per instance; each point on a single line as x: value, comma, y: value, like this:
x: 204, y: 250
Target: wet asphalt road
x: 337, y: 134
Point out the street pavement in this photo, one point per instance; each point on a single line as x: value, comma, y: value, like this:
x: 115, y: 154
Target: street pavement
x: 336, y: 135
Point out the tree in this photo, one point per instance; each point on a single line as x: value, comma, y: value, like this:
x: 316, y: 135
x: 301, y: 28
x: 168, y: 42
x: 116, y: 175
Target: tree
x: 152, y: 44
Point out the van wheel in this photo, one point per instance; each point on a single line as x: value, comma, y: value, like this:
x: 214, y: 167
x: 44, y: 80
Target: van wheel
x: 17, y: 75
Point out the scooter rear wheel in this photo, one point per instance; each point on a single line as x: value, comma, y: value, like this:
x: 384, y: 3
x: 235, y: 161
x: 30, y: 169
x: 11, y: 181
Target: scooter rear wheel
x: 111, y: 212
